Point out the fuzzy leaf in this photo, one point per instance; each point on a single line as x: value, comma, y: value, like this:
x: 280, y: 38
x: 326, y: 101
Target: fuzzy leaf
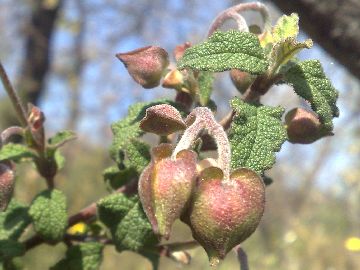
x: 48, y: 212
x: 10, y: 249
x: 205, y: 80
x: 138, y: 155
x: 286, y: 49
x: 61, y: 138
x: 128, y: 128
x: 256, y: 134
x: 127, y: 222
x: 225, y: 51
x: 16, y: 152
x: 13, y: 221
x: 309, y: 82
x: 117, y: 178
x: 286, y: 27
x: 85, y: 256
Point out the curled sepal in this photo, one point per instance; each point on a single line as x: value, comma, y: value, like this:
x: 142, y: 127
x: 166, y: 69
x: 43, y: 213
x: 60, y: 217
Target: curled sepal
x: 145, y: 65
x: 165, y: 186
x: 7, y: 178
x: 302, y: 126
x: 162, y: 119
x: 224, y: 213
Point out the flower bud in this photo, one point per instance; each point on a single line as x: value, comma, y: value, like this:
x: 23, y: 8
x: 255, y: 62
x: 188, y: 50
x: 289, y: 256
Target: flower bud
x: 145, y: 65
x: 242, y: 80
x: 180, y: 50
x: 174, y: 79
x: 7, y: 178
x: 165, y: 186
x: 223, y: 214
x: 162, y: 119
x: 302, y: 126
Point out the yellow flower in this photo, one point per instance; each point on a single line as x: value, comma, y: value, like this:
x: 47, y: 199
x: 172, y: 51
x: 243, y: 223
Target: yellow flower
x: 78, y: 228
x: 352, y: 244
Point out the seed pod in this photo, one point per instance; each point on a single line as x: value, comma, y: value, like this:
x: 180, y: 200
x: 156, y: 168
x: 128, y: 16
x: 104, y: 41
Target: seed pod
x: 7, y: 178
x: 223, y: 214
x: 146, y: 65
x: 302, y: 126
x: 162, y: 119
x: 242, y: 80
x: 165, y: 187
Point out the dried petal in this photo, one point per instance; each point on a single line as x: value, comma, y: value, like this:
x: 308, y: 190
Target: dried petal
x: 145, y: 65
x: 162, y: 119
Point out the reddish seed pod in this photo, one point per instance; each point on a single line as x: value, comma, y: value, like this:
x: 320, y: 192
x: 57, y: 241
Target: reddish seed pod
x: 146, y: 65
x: 223, y: 214
x: 165, y: 186
x: 7, y: 178
x: 302, y: 126
x: 242, y: 80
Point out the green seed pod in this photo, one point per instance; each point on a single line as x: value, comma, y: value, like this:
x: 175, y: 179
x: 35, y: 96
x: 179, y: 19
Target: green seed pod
x: 223, y: 214
x: 165, y: 187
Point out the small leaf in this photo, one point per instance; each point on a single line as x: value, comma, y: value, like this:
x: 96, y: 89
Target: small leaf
x: 117, y: 178
x: 85, y: 256
x: 59, y: 159
x: 309, y: 82
x: 10, y: 249
x: 286, y: 27
x: 48, y: 212
x: 225, y: 51
x: 61, y: 138
x: 205, y: 80
x: 256, y: 134
x: 127, y: 222
x: 13, y: 221
x: 286, y: 49
x: 16, y: 152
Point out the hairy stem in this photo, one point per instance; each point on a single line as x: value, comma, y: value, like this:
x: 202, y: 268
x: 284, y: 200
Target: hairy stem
x: 8, y: 133
x: 15, y: 100
x: 230, y: 13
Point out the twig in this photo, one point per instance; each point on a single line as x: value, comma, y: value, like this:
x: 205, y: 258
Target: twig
x: 242, y: 257
x: 8, y: 133
x: 15, y: 100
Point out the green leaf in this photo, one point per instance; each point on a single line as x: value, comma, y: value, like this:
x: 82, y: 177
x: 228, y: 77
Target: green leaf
x: 59, y: 159
x: 85, y: 256
x: 127, y: 222
x: 138, y: 155
x: 286, y: 27
x: 128, y: 128
x: 61, y: 138
x: 256, y: 134
x: 10, y: 249
x: 285, y: 50
x: 16, y: 152
x: 225, y: 51
x: 117, y: 178
x: 48, y: 212
x: 205, y: 80
x: 309, y: 82
x: 13, y: 221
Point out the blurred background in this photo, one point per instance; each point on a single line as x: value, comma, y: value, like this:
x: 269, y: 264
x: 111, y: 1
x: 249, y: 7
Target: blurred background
x: 60, y: 55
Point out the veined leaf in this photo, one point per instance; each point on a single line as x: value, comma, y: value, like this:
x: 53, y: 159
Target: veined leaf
x: 61, y: 138
x: 285, y: 50
x: 127, y: 222
x: 256, y: 134
x: 16, y: 152
x: 138, y: 155
x: 286, y: 27
x: 85, y: 256
x: 48, y: 212
x: 205, y: 80
x: 309, y: 82
x: 225, y: 51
